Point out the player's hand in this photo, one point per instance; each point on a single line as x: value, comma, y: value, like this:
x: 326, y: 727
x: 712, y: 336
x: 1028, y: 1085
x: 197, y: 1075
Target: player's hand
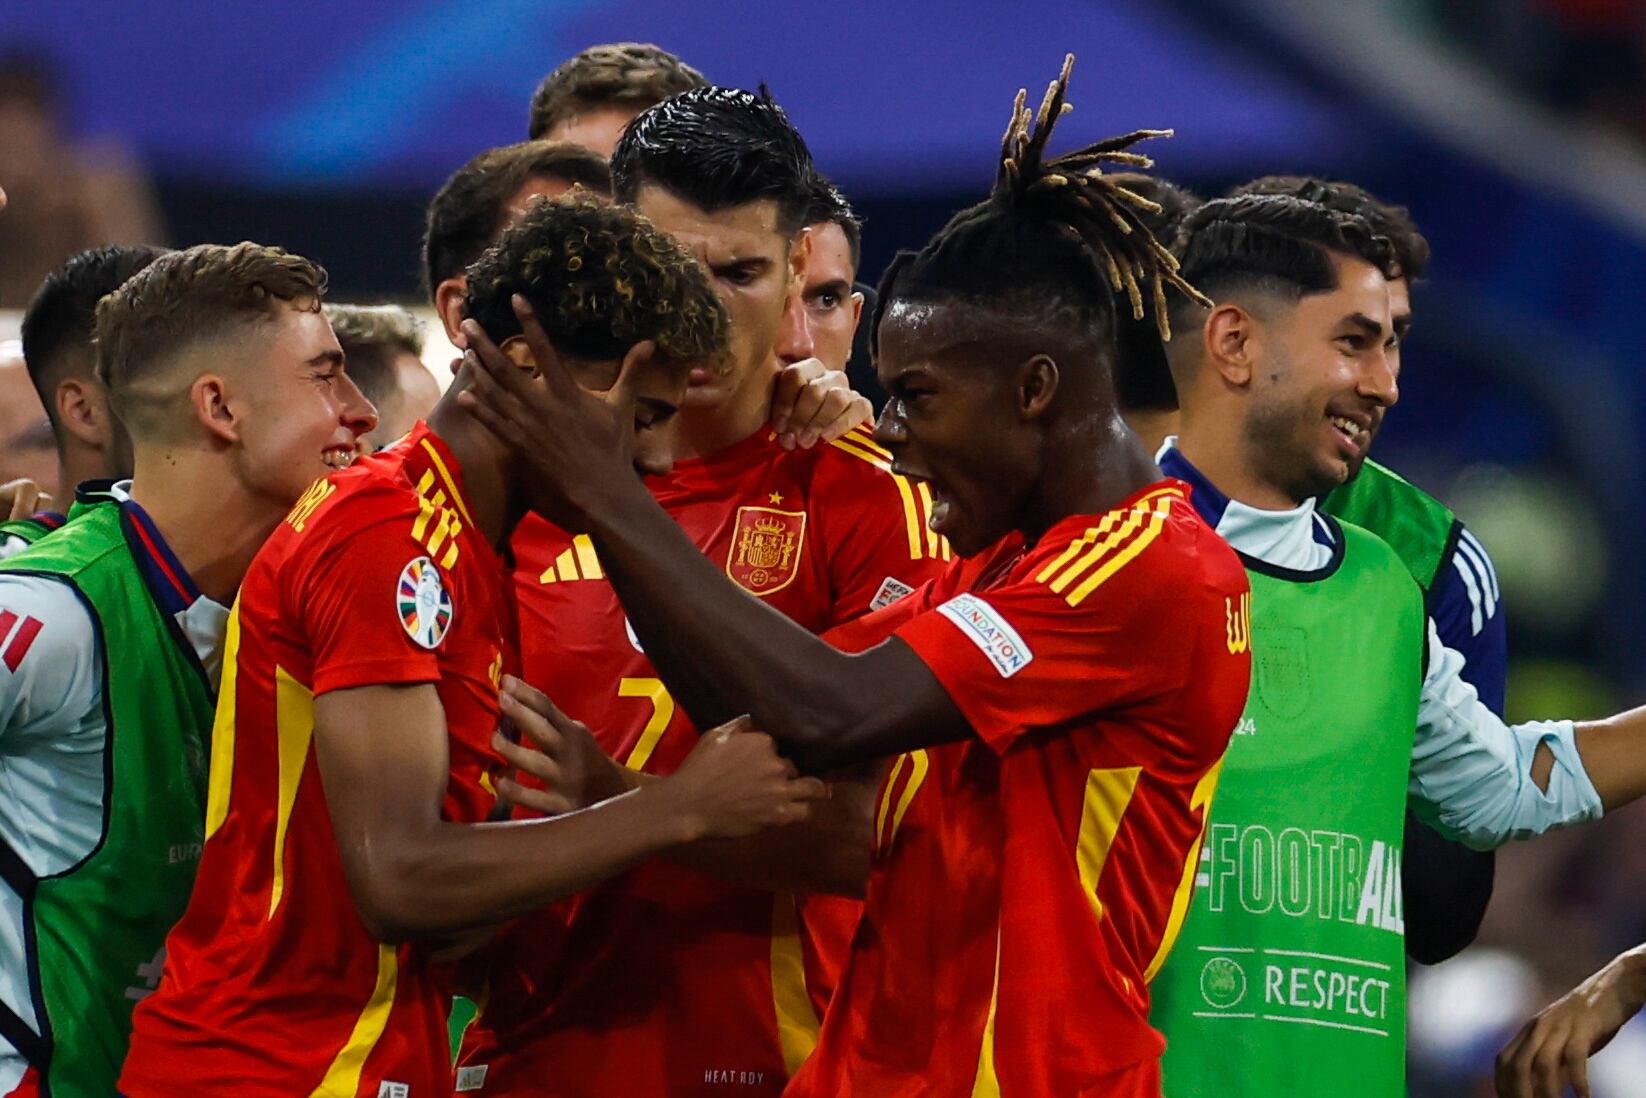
x: 735, y: 784
x: 21, y: 498
x: 1552, y: 1051
x: 576, y: 443
x: 556, y: 750
x: 812, y: 403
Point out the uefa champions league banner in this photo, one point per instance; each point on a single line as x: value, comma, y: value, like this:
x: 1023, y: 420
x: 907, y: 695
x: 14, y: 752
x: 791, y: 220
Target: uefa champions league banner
x: 890, y: 96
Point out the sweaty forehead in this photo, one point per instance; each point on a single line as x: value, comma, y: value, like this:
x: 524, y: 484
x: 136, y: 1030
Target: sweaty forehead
x: 950, y: 332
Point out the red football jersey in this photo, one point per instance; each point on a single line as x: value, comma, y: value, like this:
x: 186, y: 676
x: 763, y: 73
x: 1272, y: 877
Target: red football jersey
x: 272, y: 985
x: 668, y: 981
x: 1029, y: 881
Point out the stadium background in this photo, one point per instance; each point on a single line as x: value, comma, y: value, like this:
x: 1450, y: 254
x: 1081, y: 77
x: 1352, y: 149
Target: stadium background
x: 1513, y: 129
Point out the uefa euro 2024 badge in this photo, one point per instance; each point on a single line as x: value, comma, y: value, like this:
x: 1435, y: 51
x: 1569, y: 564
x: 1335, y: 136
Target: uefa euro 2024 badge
x: 424, y: 604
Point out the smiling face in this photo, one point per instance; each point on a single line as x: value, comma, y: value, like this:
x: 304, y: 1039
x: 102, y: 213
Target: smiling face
x: 954, y: 421
x: 297, y: 412
x: 1400, y: 313
x: 1322, y: 376
x: 831, y: 306
x: 754, y: 271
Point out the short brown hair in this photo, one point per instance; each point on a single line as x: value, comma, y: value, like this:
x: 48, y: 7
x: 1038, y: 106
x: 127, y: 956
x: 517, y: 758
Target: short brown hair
x: 467, y: 213
x: 370, y: 335
x: 181, y: 300
x: 619, y: 74
x: 601, y: 278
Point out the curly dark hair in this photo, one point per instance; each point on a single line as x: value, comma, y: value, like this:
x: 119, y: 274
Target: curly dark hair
x: 620, y: 74
x: 1394, y: 222
x: 601, y: 279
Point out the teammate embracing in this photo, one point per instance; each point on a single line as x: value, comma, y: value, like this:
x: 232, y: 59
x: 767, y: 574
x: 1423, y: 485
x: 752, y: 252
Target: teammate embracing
x: 355, y: 730
x: 1057, y: 701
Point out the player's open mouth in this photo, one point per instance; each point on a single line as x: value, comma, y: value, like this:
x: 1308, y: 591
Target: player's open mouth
x: 1355, y: 433
x: 337, y: 457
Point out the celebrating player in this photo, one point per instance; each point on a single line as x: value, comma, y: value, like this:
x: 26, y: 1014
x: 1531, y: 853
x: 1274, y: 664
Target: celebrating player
x: 592, y: 95
x: 1062, y: 695
x: 226, y: 376
x: 1294, y: 948
x: 822, y: 535
x: 356, y: 727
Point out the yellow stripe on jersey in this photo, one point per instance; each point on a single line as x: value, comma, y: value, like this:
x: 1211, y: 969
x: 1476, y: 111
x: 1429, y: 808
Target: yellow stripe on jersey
x: 1157, y: 522
x: 294, y: 732
x: 1201, y: 800
x: 342, y: 1079
x: 863, y: 435
x: 886, y: 802
x: 447, y: 479
x: 1108, y: 792
x: 220, y: 777
x: 578, y: 562
x: 1079, y: 545
x: 986, y: 1084
x: 914, y: 515
x: 797, y: 1021
x: 917, y: 775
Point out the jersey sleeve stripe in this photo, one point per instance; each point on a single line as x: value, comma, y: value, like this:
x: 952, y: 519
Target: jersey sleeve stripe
x: 797, y: 1021
x: 911, y: 509
x: 446, y: 479
x: 342, y: 1079
x: 220, y: 775
x: 294, y: 732
x: 864, y: 437
x: 1078, y: 546
x: 1128, y: 526
x: 1125, y: 556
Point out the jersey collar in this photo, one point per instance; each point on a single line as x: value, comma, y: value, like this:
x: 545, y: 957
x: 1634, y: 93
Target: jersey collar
x: 1298, y: 540
x: 168, y: 580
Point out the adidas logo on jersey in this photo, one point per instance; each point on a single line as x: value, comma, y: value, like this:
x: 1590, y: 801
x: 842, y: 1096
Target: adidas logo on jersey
x: 575, y: 563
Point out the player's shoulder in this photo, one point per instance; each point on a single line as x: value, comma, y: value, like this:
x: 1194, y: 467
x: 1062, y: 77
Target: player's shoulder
x: 855, y: 455
x: 1154, y: 539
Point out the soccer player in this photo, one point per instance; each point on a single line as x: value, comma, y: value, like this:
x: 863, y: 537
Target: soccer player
x: 832, y: 305
x: 383, y: 346
x: 484, y: 197
x: 57, y: 348
x: 1060, y: 697
x: 1446, y: 885
x: 822, y: 535
x: 591, y: 96
x: 111, y: 636
x: 357, y: 724
x: 1293, y: 951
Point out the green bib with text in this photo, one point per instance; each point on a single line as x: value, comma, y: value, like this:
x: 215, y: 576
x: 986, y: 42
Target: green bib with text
x: 1289, y: 976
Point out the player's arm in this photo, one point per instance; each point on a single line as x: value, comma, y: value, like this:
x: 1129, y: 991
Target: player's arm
x: 1480, y: 780
x: 1447, y: 885
x: 1552, y: 1051
x: 383, y: 764
x: 827, y: 852
x: 720, y: 650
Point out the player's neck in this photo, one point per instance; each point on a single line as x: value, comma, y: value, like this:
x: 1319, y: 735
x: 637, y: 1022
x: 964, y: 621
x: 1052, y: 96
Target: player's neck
x: 1217, y: 446
x: 212, y: 524
x: 1100, y: 467
x: 704, y: 430
x: 482, y: 460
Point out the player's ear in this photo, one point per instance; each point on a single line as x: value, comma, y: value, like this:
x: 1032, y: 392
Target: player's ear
x: 448, y: 302
x: 1037, y: 383
x: 83, y: 410
x: 214, y: 409
x: 1232, y: 341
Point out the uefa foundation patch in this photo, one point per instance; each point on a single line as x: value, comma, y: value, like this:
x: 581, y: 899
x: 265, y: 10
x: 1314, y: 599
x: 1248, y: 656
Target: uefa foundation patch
x: 424, y: 605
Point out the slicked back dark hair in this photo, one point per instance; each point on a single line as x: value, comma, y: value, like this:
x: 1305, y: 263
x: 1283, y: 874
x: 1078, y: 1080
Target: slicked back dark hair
x: 1142, y: 377
x: 1394, y: 222
x: 1275, y: 244
x: 1057, y: 240
x: 718, y: 148
x: 829, y: 205
x: 63, y: 314
x: 467, y: 213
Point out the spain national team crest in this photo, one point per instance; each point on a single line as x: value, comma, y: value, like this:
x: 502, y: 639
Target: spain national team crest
x: 424, y: 604
x: 766, y: 548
